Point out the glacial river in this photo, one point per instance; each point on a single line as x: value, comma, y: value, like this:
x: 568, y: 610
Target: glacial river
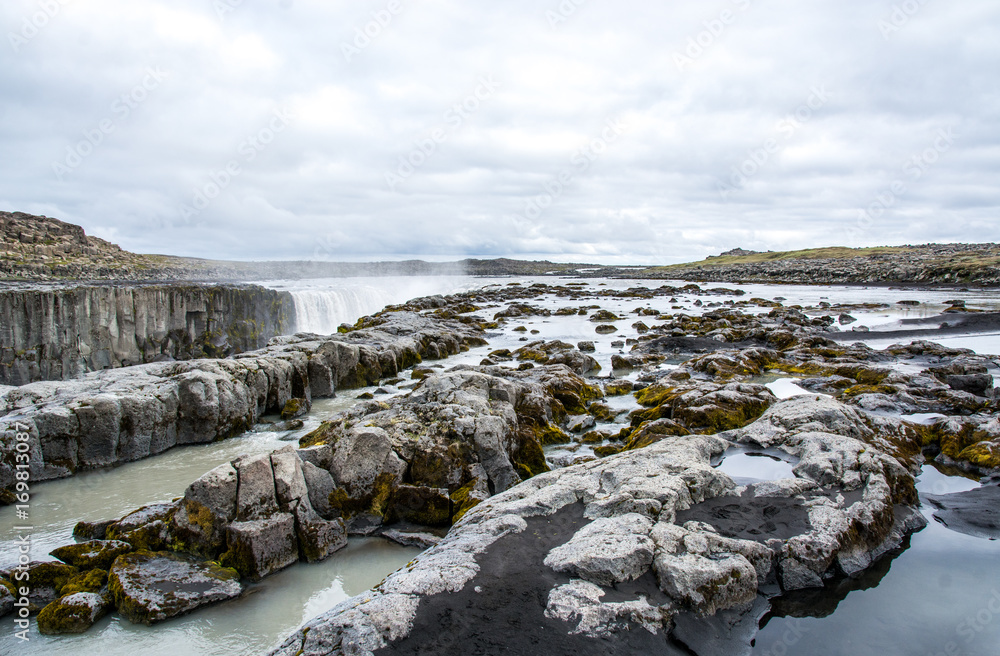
x: 935, y: 597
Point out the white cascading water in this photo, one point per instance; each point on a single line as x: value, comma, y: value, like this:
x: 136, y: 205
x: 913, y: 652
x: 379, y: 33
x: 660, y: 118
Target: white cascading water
x: 321, y: 311
x: 321, y: 305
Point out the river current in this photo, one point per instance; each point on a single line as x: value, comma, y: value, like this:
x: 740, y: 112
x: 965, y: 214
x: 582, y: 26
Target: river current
x: 936, y: 596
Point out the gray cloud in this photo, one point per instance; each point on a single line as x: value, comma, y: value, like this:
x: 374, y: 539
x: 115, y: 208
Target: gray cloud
x: 763, y: 124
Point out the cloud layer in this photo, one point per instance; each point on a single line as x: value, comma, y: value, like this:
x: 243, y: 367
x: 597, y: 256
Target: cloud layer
x: 574, y: 130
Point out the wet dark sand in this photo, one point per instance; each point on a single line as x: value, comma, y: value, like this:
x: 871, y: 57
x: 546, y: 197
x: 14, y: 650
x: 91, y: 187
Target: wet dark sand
x: 749, y: 517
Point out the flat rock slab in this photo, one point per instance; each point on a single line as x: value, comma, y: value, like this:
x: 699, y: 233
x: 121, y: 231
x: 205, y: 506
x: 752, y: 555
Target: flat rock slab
x: 503, y: 607
x: 975, y: 512
x: 94, y: 553
x: 150, y: 587
x: 408, y: 539
x: 730, y: 632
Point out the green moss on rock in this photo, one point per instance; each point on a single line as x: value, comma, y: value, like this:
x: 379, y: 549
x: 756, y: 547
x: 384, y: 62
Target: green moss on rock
x: 74, y: 613
x: 462, y: 501
x: 609, y: 450
x: 91, y: 581
x: 98, y: 554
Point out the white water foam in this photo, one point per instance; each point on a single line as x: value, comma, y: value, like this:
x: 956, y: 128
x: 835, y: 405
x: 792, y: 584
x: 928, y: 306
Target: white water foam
x: 321, y: 305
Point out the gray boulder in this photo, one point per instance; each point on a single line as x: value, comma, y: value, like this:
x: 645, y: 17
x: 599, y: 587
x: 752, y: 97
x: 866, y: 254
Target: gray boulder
x: 98, y: 554
x: 255, y: 496
x: 74, y: 613
x: 320, y: 485
x: 320, y: 455
x: 607, y: 551
x: 261, y: 547
x: 289, y: 480
x: 317, y: 537
x: 410, y: 539
x: 209, y: 504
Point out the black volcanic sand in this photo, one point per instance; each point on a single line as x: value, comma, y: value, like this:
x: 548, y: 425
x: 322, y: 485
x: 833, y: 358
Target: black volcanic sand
x: 507, y: 614
x: 749, y: 517
x: 937, y: 326
x: 975, y: 512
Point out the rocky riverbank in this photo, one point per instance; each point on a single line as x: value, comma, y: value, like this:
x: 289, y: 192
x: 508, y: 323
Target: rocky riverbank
x: 639, y: 551
x: 654, y: 549
x: 121, y: 415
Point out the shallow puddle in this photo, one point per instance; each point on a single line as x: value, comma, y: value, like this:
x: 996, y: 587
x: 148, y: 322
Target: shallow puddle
x: 747, y: 467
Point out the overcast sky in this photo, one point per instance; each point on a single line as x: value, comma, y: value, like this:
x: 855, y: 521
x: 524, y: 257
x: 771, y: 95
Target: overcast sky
x: 585, y: 130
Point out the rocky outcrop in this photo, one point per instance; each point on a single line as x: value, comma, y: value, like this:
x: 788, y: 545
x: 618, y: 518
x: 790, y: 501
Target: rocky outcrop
x: 57, y: 333
x: 726, y: 347
x: 614, y: 555
x: 427, y: 458
x: 973, y: 512
x: 243, y: 520
x: 40, y: 247
x: 458, y: 438
x: 121, y: 415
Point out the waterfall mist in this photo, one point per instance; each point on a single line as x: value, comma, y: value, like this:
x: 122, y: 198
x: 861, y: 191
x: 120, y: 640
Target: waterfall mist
x: 323, y: 304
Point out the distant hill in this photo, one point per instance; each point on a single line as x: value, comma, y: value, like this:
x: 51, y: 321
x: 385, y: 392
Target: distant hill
x: 955, y: 264
x: 40, y: 248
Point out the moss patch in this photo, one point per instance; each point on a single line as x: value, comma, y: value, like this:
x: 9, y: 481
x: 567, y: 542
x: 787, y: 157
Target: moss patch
x: 91, y: 581
x: 463, y: 501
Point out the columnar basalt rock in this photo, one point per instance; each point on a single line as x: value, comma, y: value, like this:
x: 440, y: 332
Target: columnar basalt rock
x: 121, y: 415
x: 242, y: 520
x: 57, y: 333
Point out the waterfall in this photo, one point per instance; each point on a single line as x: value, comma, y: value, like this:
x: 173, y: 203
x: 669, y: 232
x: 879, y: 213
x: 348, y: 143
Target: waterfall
x: 321, y: 311
x: 323, y: 304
